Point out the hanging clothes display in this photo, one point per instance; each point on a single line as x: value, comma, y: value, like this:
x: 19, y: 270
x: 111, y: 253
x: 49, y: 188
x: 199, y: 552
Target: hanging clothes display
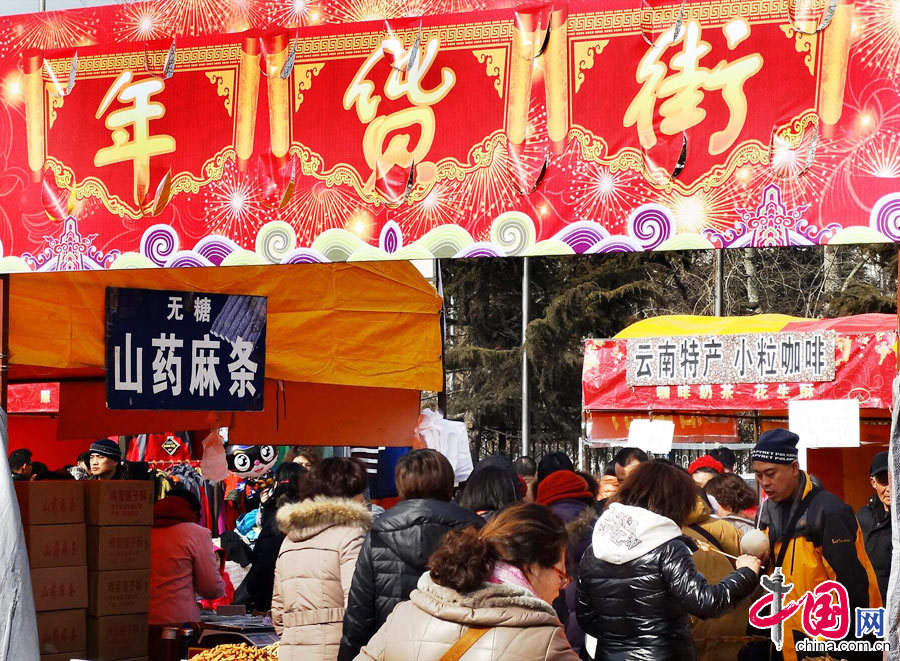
x: 211, y: 496
x: 448, y: 437
x: 166, y: 447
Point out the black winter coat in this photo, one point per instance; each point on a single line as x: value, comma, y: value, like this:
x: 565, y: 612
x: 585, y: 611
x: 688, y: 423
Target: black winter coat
x: 255, y: 591
x: 393, y: 557
x: 639, y: 610
x: 875, y: 523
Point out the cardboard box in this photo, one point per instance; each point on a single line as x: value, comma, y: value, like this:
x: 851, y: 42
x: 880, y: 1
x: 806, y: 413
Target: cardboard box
x: 65, y: 656
x: 117, y: 637
x: 50, y: 501
x: 62, y: 631
x: 59, y: 588
x: 118, y: 547
x: 120, y: 502
x: 62, y: 545
x: 119, y: 592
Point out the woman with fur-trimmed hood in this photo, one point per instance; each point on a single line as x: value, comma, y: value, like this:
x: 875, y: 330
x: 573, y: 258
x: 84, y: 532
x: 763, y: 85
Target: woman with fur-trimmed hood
x: 324, y: 533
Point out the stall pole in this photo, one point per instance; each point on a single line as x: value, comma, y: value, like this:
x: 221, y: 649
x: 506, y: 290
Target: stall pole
x: 439, y: 285
x: 720, y: 281
x: 524, y: 357
x: 4, y: 339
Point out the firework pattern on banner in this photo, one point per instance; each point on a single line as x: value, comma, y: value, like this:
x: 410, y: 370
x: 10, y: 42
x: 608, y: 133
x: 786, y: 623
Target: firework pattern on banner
x: 580, y: 205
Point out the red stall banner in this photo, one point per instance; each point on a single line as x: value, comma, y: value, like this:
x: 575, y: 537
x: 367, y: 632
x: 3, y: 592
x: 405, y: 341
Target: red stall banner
x: 612, y: 428
x: 865, y: 363
x: 173, y: 133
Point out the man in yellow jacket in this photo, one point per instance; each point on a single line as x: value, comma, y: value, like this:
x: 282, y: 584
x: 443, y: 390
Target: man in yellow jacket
x: 813, y: 537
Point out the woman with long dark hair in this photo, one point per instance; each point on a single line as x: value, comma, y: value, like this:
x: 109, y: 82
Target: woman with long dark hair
x: 637, y: 582
x: 487, y: 596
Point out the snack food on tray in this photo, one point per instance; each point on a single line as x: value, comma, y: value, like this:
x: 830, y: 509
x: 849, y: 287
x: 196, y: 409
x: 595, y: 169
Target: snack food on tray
x: 240, y: 652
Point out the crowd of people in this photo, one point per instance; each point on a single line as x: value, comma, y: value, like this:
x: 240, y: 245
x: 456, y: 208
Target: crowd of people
x: 526, y: 560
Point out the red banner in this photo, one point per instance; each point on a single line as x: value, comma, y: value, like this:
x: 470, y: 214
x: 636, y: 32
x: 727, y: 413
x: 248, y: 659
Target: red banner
x: 612, y: 428
x: 253, y: 131
x: 866, y: 364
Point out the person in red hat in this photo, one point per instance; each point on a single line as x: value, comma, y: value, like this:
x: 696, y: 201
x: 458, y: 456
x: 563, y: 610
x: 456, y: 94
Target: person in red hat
x: 567, y: 494
x: 705, y: 468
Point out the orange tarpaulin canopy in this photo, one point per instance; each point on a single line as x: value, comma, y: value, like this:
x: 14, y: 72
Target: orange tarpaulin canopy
x: 349, y: 346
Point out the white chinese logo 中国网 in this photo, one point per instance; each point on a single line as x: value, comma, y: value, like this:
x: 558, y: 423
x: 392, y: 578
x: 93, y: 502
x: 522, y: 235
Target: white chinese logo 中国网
x: 682, y: 92
x: 408, y: 69
x: 140, y: 146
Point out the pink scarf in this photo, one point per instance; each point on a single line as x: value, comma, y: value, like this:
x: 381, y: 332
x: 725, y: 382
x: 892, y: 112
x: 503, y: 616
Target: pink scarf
x: 507, y: 573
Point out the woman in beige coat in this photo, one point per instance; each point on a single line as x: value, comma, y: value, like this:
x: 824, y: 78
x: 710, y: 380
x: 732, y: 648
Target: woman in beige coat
x: 324, y: 532
x: 488, y: 593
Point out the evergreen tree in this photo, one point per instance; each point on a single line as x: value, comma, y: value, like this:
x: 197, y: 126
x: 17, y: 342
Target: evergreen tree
x: 576, y: 297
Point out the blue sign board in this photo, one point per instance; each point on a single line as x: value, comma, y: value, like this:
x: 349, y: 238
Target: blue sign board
x: 178, y: 350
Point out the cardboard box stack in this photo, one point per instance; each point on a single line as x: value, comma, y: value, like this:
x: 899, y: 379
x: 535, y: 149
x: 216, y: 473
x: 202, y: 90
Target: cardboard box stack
x: 53, y: 519
x: 119, y: 520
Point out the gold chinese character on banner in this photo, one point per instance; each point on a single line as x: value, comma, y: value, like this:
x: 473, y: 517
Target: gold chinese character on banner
x: 138, y: 145
x: 408, y: 70
x: 682, y: 91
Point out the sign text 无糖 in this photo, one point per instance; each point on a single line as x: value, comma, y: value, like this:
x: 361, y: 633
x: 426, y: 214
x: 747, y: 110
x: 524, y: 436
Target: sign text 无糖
x: 184, y: 350
x: 752, y: 358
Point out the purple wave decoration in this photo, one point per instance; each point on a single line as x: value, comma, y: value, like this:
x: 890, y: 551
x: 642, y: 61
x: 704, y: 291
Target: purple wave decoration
x: 70, y: 251
x: 305, y: 256
x: 215, y: 248
x: 391, y: 239
x: 186, y: 258
x: 651, y: 225
x: 482, y: 249
x: 615, y: 243
x: 885, y: 216
x: 581, y: 235
x: 158, y: 243
x: 728, y: 237
x: 812, y: 233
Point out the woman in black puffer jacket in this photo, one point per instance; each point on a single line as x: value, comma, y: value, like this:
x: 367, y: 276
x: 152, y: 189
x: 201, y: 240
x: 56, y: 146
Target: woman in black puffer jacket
x: 396, y: 549
x: 637, y: 583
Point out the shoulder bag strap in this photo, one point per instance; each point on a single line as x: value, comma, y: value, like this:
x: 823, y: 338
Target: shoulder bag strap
x: 788, y: 532
x: 697, y: 528
x: 462, y: 645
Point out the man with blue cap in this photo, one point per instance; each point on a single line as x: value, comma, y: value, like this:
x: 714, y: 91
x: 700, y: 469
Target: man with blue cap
x: 813, y: 535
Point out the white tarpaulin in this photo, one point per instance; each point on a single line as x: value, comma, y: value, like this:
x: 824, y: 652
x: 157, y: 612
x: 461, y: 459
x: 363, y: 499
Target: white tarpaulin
x: 18, y: 624
x: 892, y: 626
x: 448, y: 437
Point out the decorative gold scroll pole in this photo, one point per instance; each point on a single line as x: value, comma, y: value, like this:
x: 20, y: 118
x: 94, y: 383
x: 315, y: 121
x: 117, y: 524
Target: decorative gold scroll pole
x: 835, y: 53
x: 523, y: 45
x: 557, y: 80
x: 529, y: 43
x: 33, y: 86
x: 247, y: 99
x: 279, y: 97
